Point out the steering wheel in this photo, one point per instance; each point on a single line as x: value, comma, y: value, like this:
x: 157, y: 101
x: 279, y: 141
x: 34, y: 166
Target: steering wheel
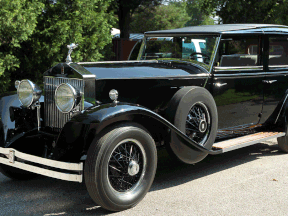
x: 196, y: 53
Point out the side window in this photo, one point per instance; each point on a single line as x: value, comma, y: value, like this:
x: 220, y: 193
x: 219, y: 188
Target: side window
x: 238, y: 51
x: 278, y: 47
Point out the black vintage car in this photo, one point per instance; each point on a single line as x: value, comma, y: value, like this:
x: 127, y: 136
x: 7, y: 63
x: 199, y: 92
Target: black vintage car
x: 195, y: 90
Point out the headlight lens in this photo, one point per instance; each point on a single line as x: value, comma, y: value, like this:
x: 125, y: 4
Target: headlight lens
x: 66, y: 97
x: 28, y: 93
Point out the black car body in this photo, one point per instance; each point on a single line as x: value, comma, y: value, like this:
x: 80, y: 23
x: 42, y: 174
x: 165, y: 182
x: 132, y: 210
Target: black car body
x: 196, y: 90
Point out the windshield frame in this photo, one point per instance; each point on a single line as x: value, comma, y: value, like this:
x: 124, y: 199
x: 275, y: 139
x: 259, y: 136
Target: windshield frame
x: 213, y: 54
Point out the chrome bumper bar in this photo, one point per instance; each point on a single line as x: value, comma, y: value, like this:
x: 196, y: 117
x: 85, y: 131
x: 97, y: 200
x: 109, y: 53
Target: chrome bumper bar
x: 11, y: 154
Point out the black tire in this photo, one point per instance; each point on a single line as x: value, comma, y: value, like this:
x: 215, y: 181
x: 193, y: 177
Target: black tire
x: 185, y: 101
x: 106, y: 165
x: 16, y: 174
x: 283, y: 143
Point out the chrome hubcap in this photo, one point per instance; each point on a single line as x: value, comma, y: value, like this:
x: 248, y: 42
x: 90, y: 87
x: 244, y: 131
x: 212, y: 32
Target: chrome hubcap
x: 198, y: 123
x: 202, y: 126
x: 133, y: 168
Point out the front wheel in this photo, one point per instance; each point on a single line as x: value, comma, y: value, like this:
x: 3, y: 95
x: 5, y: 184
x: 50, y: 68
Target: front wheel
x: 120, y: 167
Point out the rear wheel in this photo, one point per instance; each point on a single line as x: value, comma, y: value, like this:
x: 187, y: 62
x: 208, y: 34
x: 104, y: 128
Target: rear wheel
x: 283, y: 143
x: 120, y: 167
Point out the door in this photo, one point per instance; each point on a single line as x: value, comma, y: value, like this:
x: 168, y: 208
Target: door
x: 238, y: 81
x: 276, y: 79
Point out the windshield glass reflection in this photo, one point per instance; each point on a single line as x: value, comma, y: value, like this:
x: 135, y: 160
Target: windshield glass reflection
x: 196, y: 49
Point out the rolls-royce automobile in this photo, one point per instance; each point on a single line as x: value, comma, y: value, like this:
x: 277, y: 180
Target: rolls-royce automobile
x: 196, y: 91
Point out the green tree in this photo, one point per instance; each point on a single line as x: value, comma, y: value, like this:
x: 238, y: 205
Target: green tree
x: 18, y: 20
x: 248, y: 11
x: 278, y: 14
x: 125, y: 10
x: 159, y: 18
x: 194, y: 11
x: 61, y: 22
x: 197, y: 16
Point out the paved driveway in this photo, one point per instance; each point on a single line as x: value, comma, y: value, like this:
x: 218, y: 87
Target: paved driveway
x: 248, y: 181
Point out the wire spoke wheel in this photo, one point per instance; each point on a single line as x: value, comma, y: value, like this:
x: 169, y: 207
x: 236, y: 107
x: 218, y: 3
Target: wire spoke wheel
x: 198, y: 123
x: 120, y: 166
x: 126, y: 165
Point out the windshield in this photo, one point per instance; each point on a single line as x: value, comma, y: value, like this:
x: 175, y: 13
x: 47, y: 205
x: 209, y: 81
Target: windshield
x: 195, y: 48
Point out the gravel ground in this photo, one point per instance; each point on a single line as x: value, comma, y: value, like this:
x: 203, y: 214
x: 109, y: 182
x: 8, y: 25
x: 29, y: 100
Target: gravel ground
x: 248, y: 181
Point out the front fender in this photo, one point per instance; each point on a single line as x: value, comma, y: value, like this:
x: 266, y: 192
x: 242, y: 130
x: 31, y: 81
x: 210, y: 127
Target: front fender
x: 73, y: 135
x: 7, y: 101
x: 8, y: 127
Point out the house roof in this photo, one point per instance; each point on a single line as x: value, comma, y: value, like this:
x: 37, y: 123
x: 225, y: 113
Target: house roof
x: 222, y: 29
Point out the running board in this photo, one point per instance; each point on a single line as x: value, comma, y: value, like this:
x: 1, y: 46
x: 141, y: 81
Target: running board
x: 240, y: 142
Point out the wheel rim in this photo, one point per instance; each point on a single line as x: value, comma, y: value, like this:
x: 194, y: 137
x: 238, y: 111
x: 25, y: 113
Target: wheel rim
x: 198, y: 123
x: 127, y: 165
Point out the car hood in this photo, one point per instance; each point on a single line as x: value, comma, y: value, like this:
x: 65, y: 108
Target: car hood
x: 143, y: 69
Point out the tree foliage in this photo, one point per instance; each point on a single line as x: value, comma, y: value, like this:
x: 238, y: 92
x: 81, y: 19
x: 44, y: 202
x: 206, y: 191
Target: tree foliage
x: 18, y: 20
x: 40, y: 30
x: 125, y: 10
x: 248, y: 11
x: 159, y: 18
x: 197, y: 16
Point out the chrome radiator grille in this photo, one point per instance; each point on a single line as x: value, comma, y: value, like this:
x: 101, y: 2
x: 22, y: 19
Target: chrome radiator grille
x: 52, y: 116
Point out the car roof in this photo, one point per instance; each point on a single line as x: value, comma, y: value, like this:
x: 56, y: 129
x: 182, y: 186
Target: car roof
x: 224, y: 29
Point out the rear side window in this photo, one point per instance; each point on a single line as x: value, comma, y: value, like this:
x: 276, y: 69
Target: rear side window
x: 278, y: 47
x: 239, y: 51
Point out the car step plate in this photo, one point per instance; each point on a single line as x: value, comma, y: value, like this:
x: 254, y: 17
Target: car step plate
x: 240, y: 142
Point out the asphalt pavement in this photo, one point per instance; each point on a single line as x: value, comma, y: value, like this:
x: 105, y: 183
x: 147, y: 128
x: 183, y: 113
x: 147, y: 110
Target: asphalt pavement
x: 248, y: 181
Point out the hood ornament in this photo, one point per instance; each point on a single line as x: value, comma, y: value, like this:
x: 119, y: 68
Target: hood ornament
x: 70, y: 47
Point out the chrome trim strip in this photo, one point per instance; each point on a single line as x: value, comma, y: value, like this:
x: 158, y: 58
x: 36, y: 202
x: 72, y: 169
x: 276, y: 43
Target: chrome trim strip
x: 181, y: 34
x: 239, y: 74
x: 109, y: 62
x: 253, y: 74
x: 43, y: 161
x: 278, y: 66
x: 276, y: 73
x: 242, y: 68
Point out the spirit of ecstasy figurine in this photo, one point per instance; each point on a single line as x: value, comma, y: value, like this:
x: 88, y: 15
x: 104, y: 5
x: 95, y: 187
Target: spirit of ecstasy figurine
x: 70, y: 47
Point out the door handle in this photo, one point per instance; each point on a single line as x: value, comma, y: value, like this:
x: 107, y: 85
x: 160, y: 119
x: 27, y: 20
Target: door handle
x: 269, y: 81
x: 220, y: 84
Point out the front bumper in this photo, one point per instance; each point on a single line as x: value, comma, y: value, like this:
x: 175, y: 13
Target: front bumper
x: 70, y: 171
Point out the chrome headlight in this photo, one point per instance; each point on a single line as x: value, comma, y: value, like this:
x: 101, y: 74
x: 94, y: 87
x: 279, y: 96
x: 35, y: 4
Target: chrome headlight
x: 28, y: 92
x: 66, y: 97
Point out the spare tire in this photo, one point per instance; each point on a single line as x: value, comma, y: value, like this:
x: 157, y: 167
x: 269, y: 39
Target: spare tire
x: 193, y: 111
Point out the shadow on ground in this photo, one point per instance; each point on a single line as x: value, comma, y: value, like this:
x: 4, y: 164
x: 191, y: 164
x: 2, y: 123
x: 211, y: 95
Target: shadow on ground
x: 50, y: 196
